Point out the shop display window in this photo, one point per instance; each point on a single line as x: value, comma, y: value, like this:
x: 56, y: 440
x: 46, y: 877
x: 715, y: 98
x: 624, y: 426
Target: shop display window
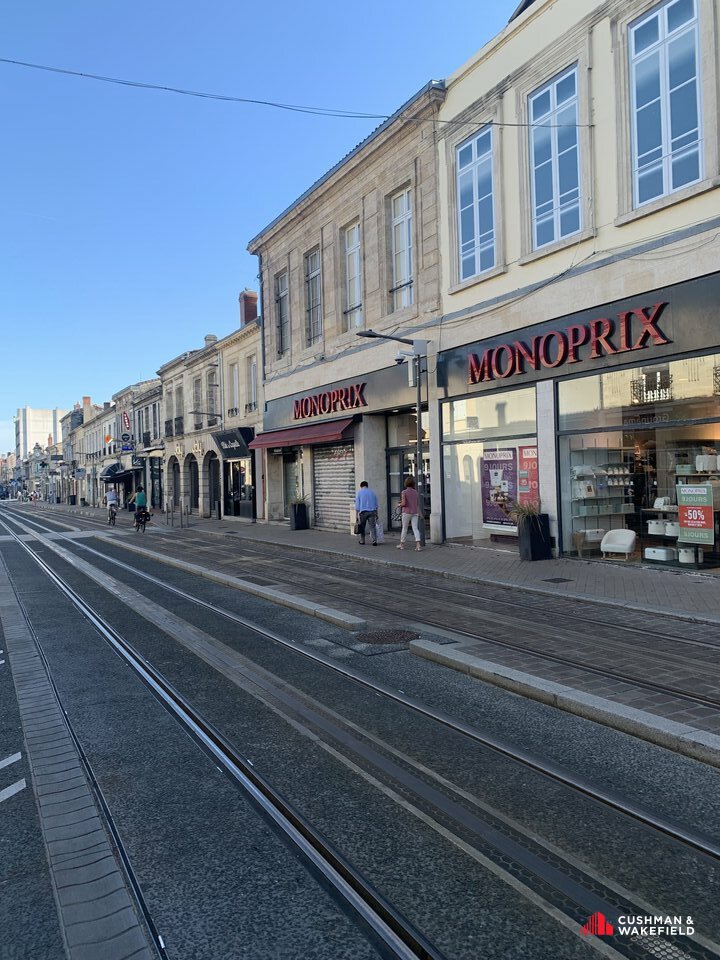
x: 490, y: 461
x: 647, y: 491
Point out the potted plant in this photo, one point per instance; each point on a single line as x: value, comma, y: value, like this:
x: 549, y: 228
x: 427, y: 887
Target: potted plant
x: 299, y: 513
x: 533, y: 530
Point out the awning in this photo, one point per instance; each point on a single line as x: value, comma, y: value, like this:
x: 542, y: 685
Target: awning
x: 325, y: 432
x: 151, y: 452
x: 233, y: 444
x: 111, y: 473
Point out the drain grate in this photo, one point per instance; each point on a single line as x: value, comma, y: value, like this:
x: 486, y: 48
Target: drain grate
x: 387, y: 636
x: 557, y: 580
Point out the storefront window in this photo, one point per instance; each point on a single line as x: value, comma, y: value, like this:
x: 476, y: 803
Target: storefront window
x: 623, y: 490
x: 490, y: 461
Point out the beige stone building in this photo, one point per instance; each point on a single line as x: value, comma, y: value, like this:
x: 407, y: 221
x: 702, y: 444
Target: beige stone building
x: 358, y: 251
x: 211, y: 398
x: 578, y: 343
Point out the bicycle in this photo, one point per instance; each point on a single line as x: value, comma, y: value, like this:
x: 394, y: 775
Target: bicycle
x: 142, y: 517
x: 112, y: 513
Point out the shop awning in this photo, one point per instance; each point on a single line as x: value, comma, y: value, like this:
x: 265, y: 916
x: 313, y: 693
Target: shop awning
x: 151, y: 452
x: 233, y: 444
x: 111, y: 473
x: 325, y: 432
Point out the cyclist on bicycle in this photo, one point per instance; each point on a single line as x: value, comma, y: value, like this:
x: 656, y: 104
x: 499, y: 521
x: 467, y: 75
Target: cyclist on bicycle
x: 111, y: 499
x: 140, y: 500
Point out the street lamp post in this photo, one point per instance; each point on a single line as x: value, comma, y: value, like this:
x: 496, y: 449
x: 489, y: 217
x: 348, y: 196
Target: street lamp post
x: 419, y: 350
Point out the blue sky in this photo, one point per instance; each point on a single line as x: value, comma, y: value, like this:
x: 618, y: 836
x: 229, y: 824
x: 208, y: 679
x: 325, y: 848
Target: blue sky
x: 126, y: 212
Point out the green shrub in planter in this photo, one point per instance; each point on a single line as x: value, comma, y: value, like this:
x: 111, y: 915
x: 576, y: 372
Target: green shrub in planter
x: 533, y: 530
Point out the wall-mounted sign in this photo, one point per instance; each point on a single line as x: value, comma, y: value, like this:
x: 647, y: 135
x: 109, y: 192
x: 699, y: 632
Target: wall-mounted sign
x: 127, y: 447
x: 606, y: 336
x: 330, y: 401
x: 125, y: 437
x: 695, y: 509
x: 197, y: 448
x: 125, y: 420
x: 179, y: 450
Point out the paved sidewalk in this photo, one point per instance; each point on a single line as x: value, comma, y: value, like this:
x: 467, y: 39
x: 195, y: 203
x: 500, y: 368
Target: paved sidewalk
x: 691, y: 595
x: 670, y: 652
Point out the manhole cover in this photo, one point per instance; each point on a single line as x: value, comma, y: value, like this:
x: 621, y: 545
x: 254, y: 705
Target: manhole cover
x: 387, y: 636
x: 556, y: 580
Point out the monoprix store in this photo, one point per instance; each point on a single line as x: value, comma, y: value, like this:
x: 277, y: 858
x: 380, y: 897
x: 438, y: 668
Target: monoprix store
x: 610, y: 417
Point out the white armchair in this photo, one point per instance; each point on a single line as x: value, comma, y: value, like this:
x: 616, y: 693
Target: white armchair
x: 618, y: 541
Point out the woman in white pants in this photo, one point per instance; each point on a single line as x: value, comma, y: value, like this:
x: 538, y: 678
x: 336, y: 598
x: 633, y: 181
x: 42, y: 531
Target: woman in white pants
x: 410, y: 509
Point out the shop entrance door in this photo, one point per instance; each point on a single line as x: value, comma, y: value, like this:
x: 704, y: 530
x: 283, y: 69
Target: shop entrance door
x: 401, y: 464
x: 290, y: 481
x: 239, y: 489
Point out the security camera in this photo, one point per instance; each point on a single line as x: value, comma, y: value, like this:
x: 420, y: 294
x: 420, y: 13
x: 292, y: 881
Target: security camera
x: 399, y: 358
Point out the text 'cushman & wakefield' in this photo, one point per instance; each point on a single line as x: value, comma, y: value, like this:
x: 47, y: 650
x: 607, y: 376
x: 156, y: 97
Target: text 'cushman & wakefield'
x: 330, y: 401
x: 632, y: 330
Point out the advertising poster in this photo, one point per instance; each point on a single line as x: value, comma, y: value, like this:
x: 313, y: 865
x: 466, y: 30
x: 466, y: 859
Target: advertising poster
x: 695, y: 509
x: 528, y: 487
x: 499, y: 485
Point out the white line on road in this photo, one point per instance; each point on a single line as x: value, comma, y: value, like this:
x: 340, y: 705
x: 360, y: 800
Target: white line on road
x: 8, y: 760
x: 12, y: 790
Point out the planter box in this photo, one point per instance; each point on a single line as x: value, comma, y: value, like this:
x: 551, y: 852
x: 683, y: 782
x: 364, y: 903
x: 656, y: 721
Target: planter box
x: 534, y: 538
x: 298, y: 516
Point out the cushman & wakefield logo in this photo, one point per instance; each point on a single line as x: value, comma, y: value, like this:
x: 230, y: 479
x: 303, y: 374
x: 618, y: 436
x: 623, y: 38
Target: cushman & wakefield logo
x: 638, y: 926
x: 330, y: 401
x: 631, y: 330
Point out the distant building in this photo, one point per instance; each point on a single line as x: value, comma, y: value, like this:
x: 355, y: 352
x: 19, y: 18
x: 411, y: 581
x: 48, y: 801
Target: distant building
x: 35, y: 426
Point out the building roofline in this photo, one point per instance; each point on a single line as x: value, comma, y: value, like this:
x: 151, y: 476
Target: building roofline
x: 430, y: 86
x: 521, y: 8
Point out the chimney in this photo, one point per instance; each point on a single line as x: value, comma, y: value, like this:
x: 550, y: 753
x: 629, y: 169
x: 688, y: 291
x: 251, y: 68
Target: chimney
x: 210, y: 339
x: 86, y: 401
x: 106, y: 405
x: 248, y: 306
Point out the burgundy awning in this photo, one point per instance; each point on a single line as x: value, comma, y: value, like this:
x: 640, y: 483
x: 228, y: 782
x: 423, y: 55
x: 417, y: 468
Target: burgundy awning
x: 325, y: 432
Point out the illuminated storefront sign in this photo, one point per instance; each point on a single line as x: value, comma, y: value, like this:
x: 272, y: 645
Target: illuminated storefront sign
x: 330, y: 401
x: 631, y: 330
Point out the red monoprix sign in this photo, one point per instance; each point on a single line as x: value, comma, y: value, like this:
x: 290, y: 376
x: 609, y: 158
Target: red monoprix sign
x: 330, y: 401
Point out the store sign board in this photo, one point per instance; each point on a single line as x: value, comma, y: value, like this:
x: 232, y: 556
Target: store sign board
x: 330, y: 401
x: 630, y: 330
x: 125, y: 420
x: 695, y: 508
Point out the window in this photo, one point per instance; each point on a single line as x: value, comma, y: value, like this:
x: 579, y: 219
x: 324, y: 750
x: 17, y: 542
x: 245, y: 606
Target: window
x: 234, y: 380
x: 313, y: 305
x: 282, y: 314
x: 555, y: 159
x: 665, y: 101
x: 197, y: 402
x: 212, y: 398
x: 353, y: 278
x: 169, y: 408
x: 476, y: 214
x: 402, y: 251
x: 251, y: 384
x: 179, y: 401
x: 156, y: 420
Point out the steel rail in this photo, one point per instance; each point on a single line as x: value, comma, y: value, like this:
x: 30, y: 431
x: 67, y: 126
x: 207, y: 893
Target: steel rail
x: 379, y: 916
x: 699, y: 842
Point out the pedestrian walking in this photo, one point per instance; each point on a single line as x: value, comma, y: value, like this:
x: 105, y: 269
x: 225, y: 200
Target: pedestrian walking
x: 409, y: 505
x: 366, y: 505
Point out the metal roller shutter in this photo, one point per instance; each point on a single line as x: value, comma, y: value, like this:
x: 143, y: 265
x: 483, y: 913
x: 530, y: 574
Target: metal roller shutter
x: 334, y: 485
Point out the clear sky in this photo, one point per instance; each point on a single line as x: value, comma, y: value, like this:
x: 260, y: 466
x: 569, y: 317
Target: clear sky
x: 125, y: 212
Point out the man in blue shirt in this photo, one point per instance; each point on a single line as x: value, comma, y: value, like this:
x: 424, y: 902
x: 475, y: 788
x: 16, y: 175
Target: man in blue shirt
x: 366, y: 504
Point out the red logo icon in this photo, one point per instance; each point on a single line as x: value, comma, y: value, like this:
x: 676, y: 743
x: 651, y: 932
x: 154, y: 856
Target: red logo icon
x: 598, y: 926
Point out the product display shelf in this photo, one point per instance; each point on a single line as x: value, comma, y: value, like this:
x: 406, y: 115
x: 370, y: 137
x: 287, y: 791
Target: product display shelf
x: 670, y: 541
x: 608, y: 506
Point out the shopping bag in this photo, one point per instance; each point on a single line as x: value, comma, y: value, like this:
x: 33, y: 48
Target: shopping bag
x: 379, y: 533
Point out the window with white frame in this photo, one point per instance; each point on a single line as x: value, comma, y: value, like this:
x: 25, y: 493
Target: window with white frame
x: 402, y: 249
x: 197, y: 402
x: 251, y: 384
x: 476, y: 207
x: 664, y: 73
x: 212, y: 397
x: 282, y: 313
x: 156, y: 420
x: 353, y: 278
x: 555, y: 159
x: 234, y: 381
x: 313, y: 302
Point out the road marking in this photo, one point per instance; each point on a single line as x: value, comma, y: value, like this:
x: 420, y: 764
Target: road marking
x: 12, y: 790
x: 8, y: 760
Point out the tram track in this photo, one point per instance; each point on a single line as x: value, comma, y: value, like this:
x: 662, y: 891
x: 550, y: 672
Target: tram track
x: 702, y: 845
x: 335, y: 587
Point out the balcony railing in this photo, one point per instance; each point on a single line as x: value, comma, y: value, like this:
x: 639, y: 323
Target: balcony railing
x: 233, y: 411
x: 249, y: 407
x: 179, y: 429
x: 168, y: 428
